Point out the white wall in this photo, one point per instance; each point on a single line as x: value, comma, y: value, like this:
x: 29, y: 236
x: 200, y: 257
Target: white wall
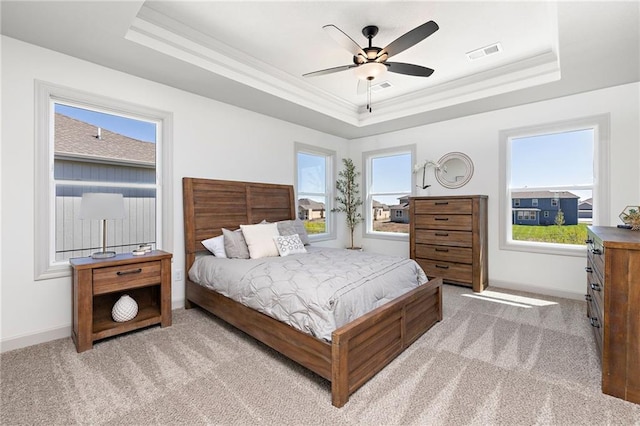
x: 477, y: 136
x: 211, y: 140
x: 215, y: 140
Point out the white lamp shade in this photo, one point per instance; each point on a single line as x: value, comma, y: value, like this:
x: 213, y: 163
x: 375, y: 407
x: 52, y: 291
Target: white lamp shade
x: 100, y: 206
x: 370, y: 70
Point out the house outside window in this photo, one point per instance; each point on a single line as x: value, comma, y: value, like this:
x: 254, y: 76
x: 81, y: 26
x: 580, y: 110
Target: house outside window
x: 314, y: 186
x: 388, y: 182
x: 87, y: 143
x: 536, y: 173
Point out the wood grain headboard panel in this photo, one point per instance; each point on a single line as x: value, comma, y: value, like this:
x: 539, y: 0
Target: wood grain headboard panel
x: 210, y: 205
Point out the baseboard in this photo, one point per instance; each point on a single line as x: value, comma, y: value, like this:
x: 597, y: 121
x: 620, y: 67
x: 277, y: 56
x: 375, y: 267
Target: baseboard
x: 23, y: 341
x: 496, y: 284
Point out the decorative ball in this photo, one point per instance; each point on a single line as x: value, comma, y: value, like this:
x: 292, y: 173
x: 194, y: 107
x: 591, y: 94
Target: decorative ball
x: 125, y: 309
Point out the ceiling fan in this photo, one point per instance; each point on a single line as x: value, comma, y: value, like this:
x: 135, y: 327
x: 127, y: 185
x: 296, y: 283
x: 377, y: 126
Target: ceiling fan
x: 371, y: 62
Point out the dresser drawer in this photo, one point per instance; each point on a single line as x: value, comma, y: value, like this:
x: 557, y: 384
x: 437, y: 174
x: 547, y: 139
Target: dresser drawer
x: 446, y: 253
x: 443, y: 237
x: 449, y: 271
x: 459, y: 222
x: 595, y: 284
x: 595, y: 256
x: 116, y: 278
x: 443, y: 206
x: 594, y: 312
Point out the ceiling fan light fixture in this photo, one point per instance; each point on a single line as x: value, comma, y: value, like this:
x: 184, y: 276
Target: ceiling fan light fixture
x: 370, y: 70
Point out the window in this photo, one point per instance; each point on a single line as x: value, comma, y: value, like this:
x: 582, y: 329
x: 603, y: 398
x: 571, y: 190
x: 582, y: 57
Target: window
x: 314, y: 184
x: 388, y: 176
x: 535, y: 171
x: 516, y: 202
x: 87, y: 143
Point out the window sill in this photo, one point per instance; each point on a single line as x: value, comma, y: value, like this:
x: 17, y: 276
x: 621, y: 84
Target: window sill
x: 546, y: 248
x: 394, y: 236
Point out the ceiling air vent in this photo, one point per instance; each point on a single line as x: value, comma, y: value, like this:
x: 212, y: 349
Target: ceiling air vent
x: 381, y: 86
x: 484, y: 51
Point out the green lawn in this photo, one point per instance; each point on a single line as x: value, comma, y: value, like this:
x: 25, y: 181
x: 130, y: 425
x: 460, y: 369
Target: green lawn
x: 566, y: 234
x: 315, y: 226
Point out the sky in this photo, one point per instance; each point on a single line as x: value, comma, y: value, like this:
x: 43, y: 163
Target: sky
x: 553, y: 159
x: 136, y: 129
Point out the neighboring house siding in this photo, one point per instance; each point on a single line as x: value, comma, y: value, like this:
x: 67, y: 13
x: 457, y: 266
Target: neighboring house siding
x: 526, y: 212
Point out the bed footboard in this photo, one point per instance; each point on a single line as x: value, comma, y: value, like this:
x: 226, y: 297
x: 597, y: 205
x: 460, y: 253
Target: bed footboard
x: 365, y: 346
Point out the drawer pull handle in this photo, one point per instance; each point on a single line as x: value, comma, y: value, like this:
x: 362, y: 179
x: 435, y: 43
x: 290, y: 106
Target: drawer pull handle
x: 132, y: 271
x: 595, y: 286
x: 596, y: 251
x: 442, y: 234
x: 442, y: 266
x: 441, y: 203
x: 441, y: 218
x: 588, y: 297
x: 443, y: 250
x: 588, y: 241
x: 588, y: 269
x: 594, y: 322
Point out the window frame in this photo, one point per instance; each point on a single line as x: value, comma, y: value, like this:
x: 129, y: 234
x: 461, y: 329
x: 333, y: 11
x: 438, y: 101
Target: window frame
x: 600, y: 189
x: 330, y: 177
x: 45, y: 265
x: 367, y: 180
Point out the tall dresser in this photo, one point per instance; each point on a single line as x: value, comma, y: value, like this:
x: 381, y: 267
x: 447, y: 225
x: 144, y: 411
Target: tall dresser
x: 448, y: 238
x: 613, y: 307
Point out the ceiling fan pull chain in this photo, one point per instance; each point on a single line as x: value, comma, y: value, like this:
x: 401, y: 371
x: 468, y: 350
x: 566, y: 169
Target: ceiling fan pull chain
x: 369, y: 94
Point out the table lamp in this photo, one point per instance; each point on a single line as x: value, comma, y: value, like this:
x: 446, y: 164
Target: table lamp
x: 102, y: 206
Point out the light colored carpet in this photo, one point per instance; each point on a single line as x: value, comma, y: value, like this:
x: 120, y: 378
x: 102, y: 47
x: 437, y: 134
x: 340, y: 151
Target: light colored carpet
x: 532, y: 362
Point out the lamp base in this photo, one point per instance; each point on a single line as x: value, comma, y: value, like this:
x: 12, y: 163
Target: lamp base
x: 103, y: 254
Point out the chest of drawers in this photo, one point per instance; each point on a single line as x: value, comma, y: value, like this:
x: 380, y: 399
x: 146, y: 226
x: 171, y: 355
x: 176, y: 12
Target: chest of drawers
x: 613, y: 307
x: 448, y: 238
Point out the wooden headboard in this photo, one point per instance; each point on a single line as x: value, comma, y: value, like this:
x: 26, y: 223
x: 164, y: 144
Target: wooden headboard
x: 210, y: 205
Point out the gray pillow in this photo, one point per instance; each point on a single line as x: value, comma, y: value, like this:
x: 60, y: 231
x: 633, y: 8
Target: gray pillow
x: 292, y: 227
x: 234, y: 244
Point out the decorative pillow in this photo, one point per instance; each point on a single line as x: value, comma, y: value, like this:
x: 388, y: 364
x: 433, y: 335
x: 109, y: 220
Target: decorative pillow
x: 259, y: 239
x: 235, y: 245
x: 289, y: 244
x: 291, y: 227
x: 216, y: 246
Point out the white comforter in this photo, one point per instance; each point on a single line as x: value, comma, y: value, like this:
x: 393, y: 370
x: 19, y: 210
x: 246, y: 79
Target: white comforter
x: 316, y: 292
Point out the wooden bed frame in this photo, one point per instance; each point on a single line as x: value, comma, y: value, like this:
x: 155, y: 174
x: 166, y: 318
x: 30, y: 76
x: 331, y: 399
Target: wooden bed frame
x: 358, y: 350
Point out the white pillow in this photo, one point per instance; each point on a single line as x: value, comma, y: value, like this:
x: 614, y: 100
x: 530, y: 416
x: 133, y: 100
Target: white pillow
x: 216, y: 246
x: 259, y: 239
x: 289, y: 244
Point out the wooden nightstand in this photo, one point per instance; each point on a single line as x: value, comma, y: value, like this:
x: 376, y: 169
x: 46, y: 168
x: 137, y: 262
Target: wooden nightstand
x: 99, y: 283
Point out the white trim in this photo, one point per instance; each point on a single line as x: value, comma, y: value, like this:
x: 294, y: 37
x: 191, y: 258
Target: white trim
x: 31, y: 339
x: 367, y: 181
x: 45, y: 94
x: 330, y: 170
x: 601, y: 125
x: 497, y: 285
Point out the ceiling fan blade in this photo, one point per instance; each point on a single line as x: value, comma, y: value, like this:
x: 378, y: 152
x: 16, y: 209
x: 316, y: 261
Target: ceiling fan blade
x: 409, y: 39
x: 408, y: 69
x: 344, y: 40
x: 329, y: 70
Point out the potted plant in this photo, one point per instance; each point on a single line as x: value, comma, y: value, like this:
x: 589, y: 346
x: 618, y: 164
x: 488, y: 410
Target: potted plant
x: 348, y: 198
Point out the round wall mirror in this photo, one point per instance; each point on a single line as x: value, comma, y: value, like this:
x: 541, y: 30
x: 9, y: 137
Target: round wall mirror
x: 455, y: 170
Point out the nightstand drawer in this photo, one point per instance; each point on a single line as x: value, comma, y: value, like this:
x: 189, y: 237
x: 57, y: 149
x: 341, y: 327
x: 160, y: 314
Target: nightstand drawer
x: 444, y: 206
x: 459, y: 222
x: 117, y: 278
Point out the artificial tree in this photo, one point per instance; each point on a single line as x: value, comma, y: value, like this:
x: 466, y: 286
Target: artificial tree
x: 348, y: 198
